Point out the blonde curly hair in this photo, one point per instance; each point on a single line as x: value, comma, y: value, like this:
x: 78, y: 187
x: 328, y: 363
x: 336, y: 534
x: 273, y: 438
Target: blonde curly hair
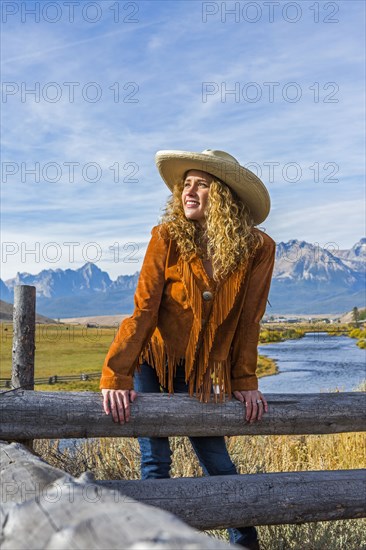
x: 229, y: 236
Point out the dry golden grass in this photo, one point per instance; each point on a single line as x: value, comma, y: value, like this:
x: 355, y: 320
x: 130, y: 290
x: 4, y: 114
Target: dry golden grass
x: 118, y: 458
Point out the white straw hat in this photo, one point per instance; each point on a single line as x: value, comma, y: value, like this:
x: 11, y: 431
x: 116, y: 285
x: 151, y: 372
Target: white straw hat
x: 172, y: 166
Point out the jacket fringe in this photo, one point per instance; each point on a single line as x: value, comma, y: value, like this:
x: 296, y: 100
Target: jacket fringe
x: 209, y: 371
x: 163, y: 361
x: 194, y: 296
x: 202, y: 373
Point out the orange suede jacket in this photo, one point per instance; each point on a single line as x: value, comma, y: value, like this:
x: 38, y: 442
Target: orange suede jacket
x: 216, y: 332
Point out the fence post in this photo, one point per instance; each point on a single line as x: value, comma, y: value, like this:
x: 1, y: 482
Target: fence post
x: 24, y: 322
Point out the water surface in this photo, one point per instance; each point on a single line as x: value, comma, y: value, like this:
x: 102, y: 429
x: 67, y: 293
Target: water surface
x: 315, y: 363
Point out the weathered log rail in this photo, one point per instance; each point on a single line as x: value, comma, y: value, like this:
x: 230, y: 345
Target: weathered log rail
x: 203, y: 502
x: 253, y: 499
x: 49, y: 415
x: 45, y: 508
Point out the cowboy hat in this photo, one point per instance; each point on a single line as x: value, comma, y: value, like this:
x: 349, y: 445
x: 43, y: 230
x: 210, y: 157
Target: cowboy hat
x: 172, y: 166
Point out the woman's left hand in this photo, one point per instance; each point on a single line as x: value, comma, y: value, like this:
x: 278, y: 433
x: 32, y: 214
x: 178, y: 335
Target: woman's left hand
x: 255, y: 404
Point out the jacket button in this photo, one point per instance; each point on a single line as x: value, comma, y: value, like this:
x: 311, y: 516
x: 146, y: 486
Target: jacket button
x: 207, y: 295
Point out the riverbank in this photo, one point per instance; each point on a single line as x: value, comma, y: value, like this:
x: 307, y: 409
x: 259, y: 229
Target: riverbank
x: 360, y: 335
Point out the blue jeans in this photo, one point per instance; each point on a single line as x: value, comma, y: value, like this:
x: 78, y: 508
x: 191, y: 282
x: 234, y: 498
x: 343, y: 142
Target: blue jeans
x: 211, y: 451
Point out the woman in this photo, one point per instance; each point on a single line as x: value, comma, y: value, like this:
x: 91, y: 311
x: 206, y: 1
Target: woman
x: 200, y: 296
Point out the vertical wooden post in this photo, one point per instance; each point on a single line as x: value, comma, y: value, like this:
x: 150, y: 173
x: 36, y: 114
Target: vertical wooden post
x: 24, y: 324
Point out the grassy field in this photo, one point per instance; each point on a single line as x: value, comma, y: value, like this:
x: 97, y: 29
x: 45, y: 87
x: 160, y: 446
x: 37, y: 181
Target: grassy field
x: 63, y: 350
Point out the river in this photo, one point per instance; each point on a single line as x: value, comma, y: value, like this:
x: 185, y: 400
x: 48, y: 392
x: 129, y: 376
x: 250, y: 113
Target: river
x: 315, y: 363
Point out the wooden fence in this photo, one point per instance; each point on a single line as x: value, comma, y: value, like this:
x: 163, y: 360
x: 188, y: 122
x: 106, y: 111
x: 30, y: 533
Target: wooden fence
x: 202, y: 503
x: 55, y: 379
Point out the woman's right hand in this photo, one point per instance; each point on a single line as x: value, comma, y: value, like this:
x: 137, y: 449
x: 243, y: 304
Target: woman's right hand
x: 118, y: 402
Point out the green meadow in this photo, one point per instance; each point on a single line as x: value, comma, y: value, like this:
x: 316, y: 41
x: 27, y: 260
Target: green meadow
x: 63, y: 350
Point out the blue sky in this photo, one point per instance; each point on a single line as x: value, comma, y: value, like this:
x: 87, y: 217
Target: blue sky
x: 174, y: 64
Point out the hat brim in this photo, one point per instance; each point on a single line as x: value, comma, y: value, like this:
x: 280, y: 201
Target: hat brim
x: 172, y: 166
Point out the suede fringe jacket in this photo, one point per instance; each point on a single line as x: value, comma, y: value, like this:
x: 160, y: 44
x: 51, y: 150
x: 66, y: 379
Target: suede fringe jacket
x: 175, y: 318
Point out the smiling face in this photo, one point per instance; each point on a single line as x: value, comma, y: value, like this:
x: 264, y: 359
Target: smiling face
x: 195, y: 194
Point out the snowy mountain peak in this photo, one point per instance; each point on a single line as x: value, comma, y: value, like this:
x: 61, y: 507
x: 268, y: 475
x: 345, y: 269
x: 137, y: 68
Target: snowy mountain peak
x: 306, y: 277
x: 358, y: 250
x: 89, y: 267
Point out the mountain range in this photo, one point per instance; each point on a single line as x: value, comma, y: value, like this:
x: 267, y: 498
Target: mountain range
x: 306, y: 279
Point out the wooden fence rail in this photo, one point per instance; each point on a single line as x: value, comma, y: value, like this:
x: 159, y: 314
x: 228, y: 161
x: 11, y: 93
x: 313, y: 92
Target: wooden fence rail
x: 48, y: 415
x: 252, y: 499
x: 203, y: 502
x: 44, y: 508
x: 55, y: 378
